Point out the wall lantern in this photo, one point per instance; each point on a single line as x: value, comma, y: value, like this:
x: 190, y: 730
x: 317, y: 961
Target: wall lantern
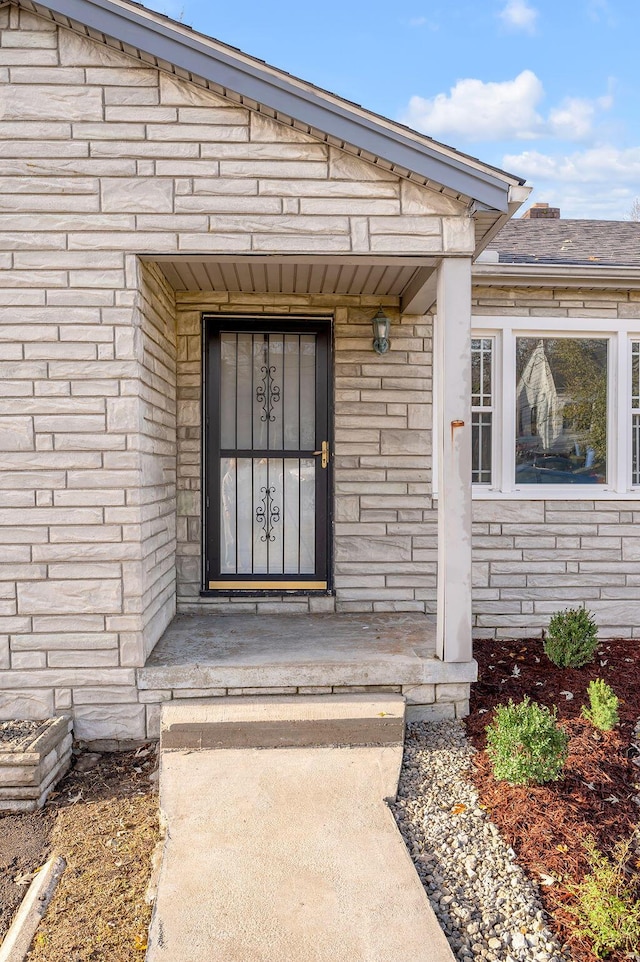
x: 381, y: 329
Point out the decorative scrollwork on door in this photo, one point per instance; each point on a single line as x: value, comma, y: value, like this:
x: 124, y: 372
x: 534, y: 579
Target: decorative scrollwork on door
x: 267, y: 393
x: 267, y: 514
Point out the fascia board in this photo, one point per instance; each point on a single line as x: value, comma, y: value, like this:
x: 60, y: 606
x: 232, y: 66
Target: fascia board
x: 550, y: 275
x: 249, y: 79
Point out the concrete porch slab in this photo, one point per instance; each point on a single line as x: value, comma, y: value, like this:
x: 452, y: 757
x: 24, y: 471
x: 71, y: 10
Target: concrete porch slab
x: 227, y: 651
x: 287, y: 854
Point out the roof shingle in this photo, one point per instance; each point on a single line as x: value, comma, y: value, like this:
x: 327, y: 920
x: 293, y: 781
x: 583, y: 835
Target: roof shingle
x: 589, y: 242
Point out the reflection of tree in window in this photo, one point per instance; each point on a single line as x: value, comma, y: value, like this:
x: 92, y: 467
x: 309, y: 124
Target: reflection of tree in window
x: 582, y: 365
x: 561, y: 405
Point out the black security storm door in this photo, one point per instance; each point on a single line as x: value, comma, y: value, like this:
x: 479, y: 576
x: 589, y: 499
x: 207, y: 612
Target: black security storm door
x: 266, y: 454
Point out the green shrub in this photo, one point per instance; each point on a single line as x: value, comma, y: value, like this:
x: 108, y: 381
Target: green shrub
x: 525, y: 743
x: 603, y: 706
x: 606, y: 908
x: 572, y: 638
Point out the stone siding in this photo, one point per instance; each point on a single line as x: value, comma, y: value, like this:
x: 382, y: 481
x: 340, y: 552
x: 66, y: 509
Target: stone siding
x: 532, y: 558
x: 104, y: 159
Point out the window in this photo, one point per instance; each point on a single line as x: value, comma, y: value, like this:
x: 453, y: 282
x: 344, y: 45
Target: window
x: 555, y: 410
x: 561, y: 410
x: 635, y: 411
x: 481, y: 407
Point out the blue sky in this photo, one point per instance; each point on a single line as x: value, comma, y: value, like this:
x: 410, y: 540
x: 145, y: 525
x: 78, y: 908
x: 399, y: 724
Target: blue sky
x: 547, y: 89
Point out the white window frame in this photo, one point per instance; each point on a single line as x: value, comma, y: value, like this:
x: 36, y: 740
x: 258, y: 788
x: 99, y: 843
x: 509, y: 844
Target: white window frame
x: 619, y: 333
x: 486, y: 408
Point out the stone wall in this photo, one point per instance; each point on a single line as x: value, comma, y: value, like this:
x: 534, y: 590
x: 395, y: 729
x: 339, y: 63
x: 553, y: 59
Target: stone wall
x: 106, y: 158
x: 384, y: 542
x: 532, y: 558
x: 157, y: 440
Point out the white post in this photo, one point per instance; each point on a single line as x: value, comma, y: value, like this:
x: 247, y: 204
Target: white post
x: 453, y: 359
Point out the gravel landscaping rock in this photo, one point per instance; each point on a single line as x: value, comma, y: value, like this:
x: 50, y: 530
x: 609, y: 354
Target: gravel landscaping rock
x: 485, y: 904
x: 17, y: 731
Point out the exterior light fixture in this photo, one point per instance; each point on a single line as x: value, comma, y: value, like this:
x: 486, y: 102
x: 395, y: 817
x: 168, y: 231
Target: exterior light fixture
x: 381, y: 329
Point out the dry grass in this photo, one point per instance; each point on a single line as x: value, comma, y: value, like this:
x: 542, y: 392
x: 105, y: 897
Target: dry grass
x: 98, y: 911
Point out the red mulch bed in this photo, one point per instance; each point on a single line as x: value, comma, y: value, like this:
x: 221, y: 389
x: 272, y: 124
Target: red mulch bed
x: 547, y: 825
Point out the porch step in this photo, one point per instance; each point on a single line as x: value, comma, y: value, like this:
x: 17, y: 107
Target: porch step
x: 283, y: 721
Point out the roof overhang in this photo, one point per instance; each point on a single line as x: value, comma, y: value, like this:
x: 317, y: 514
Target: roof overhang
x: 174, y: 47
x: 409, y: 279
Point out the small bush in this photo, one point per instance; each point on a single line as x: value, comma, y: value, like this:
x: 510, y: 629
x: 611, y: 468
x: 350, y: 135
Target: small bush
x: 525, y: 743
x: 572, y: 638
x: 603, y: 706
x: 606, y: 908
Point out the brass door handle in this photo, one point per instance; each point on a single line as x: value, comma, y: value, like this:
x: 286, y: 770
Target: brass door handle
x: 324, y: 451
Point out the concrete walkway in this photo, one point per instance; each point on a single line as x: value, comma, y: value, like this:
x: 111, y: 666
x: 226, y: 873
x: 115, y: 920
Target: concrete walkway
x: 287, y: 855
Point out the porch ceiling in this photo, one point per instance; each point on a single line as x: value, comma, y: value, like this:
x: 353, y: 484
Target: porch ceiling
x: 377, y: 277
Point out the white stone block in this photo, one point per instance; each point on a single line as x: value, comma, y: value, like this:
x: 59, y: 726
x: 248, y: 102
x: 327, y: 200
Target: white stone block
x: 109, y: 695
x: 124, y: 414
x: 273, y: 168
x: 28, y: 659
x: 144, y: 194
x: 31, y: 21
x: 34, y: 102
x: 153, y: 713
x: 221, y: 135
x: 345, y: 166
x: 458, y: 234
x: 225, y: 186
x: 71, y: 596
x: 27, y: 703
x: 132, y: 75
x: 76, y: 49
x: 429, y: 713
x: 83, y: 659
x: 452, y: 692
x: 121, y: 722
x: 418, y: 200
x: 419, y: 694
x: 265, y: 129
x: 16, y: 434
x: 180, y: 92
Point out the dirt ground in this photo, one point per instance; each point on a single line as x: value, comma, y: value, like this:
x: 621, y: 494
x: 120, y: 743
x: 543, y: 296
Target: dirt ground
x: 103, y: 819
x: 547, y: 825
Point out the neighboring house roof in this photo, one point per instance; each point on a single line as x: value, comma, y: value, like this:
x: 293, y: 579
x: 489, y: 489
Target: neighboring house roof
x: 570, y: 242
x: 160, y: 41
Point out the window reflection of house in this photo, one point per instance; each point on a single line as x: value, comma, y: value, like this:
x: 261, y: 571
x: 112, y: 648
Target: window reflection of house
x: 539, y: 405
x: 561, y: 410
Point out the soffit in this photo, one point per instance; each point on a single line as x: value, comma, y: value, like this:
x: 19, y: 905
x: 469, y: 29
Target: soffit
x: 373, y: 277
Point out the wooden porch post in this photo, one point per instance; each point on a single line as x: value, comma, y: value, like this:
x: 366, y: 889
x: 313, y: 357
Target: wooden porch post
x: 453, y: 359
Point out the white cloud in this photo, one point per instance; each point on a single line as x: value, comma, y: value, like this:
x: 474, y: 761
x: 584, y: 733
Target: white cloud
x: 600, y: 181
x: 601, y: 164
x: 572, y: 119
x: 474, y: 110
x: 518, y: 15
x: 477, y: 110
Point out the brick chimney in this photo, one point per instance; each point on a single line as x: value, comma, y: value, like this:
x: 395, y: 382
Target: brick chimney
x: 542, y: 211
